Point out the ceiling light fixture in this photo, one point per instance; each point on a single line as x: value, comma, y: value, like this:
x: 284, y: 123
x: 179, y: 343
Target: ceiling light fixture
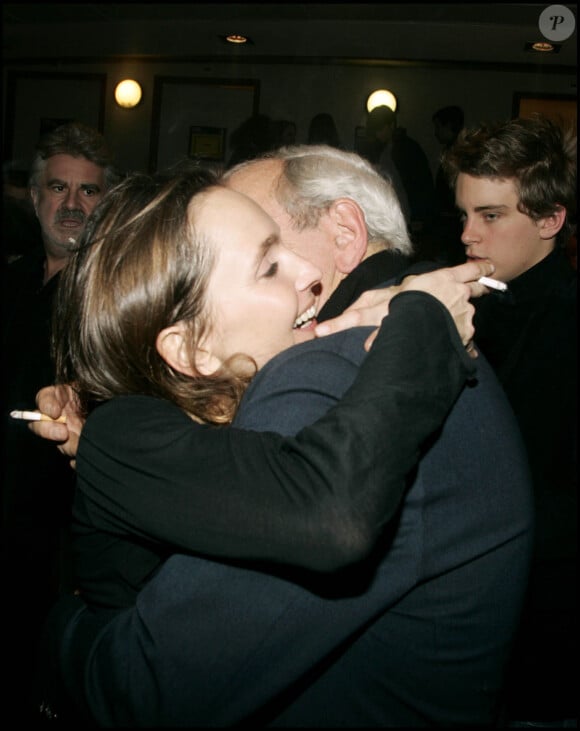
x: 235, y: 38
x: 543, y: 47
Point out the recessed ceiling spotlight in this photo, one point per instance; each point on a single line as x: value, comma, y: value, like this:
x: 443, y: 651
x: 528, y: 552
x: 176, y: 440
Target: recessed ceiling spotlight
x: 543, y: 47
x: 235, y: 38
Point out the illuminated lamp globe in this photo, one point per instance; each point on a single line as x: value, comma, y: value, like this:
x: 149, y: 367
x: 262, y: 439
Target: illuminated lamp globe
x: 381, y: 98
x: 128, y: 93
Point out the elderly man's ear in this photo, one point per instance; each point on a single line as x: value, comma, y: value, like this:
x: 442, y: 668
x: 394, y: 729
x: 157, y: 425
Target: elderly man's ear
x: 34, y: 197
x: 350, y: 234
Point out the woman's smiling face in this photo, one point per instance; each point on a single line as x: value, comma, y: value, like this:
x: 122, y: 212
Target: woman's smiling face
x: 259, y: 292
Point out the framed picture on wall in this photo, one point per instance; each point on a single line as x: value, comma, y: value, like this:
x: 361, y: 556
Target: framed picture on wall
x: 37, y: 101
x: 183, y: 104
x: 560, y: 108
x: 207, y: 143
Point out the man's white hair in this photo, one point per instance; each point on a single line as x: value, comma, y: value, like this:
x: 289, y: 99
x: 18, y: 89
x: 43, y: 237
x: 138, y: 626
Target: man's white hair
x: 314, y: 176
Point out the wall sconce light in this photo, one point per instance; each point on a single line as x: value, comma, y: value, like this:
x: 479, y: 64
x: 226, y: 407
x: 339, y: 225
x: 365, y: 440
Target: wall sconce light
x: 128, y: 93
x: 381, y: 98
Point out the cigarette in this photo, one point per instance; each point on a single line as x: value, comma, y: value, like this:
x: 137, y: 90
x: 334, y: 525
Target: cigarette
x: 71, y: 240
x: 35, y: 416
x: 493, y: 283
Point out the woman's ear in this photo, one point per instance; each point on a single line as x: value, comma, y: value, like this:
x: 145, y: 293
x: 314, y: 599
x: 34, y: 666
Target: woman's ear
x: 350, y: 234
x: 205, y: 362
x: 171, y: 345
x: 550, y: 225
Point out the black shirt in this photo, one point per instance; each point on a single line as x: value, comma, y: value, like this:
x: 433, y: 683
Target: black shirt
x: 151, y: 481
x: 529, y: 335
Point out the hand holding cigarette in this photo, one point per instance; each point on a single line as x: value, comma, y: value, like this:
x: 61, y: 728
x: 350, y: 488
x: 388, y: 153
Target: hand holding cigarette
x: 453, y: 286
x: 35, y: 416
x: 65, y: 421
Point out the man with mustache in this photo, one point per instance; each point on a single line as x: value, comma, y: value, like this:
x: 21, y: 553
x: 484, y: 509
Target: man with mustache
x: 70, y: 173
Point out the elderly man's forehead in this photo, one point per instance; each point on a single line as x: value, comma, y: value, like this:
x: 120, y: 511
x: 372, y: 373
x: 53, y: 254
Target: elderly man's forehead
x: 257, y: 180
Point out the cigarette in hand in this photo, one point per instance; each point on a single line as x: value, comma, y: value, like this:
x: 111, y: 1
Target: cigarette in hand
x: 493, y: 283
x: 35, y: 416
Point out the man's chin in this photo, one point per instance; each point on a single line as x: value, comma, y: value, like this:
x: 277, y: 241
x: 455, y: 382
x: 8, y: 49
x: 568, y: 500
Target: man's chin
x: 66, y: 239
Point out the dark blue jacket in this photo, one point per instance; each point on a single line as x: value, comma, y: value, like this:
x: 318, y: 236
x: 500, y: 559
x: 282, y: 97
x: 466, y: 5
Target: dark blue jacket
x: 422, y: 640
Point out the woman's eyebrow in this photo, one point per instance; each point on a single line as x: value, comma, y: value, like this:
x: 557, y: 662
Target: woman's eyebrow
x: 265, y: 246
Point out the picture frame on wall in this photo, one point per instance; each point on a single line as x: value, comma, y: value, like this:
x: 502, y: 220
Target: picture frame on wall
x: 37, y: 101
x: 560, y: 108
x: 207, y: 143
x: 217, y: 105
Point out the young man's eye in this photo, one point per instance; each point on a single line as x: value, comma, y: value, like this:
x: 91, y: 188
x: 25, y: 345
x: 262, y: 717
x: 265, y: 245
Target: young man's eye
x: 491, y: 216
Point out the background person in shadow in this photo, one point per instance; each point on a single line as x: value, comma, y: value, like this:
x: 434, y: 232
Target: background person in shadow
x: 69, y: 175
x: 251, y: 138
x: 515, y: 186
x: 377, y: 148
x: 447, y: 124
x: 282, y: 132
x: 443, y: 242
x: 322, y: 131
x: 398, y: 155
x: 20, y: 227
